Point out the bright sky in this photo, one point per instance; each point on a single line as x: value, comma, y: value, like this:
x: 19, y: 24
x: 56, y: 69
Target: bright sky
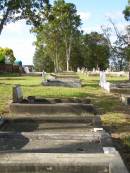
x: 94, y: 13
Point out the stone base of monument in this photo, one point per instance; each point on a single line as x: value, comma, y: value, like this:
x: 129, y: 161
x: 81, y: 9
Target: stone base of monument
x: 125, y: 98
x: 63, y: 83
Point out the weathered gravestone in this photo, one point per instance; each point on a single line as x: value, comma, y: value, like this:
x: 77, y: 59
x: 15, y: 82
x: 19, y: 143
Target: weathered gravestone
x: 17, y: 94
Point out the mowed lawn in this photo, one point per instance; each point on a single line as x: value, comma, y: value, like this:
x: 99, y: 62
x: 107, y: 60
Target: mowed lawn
x: 115, y: 116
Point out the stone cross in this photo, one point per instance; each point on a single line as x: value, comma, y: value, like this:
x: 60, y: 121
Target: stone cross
x: 17, y: 94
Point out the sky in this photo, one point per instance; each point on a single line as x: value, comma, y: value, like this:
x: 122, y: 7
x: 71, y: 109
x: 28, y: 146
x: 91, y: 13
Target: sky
x: 94, y: 14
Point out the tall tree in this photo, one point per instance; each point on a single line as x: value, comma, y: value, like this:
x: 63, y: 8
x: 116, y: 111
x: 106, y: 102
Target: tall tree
x: 127, y: 17
x: 97, y: 51
x: 69, y: 21
x: 126, y: 11
x: 31, y: 10
x: 58, y: 33
x: 119, y: 59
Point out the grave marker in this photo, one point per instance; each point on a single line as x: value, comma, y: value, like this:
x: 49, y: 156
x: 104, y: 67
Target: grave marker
x: 17, y: 94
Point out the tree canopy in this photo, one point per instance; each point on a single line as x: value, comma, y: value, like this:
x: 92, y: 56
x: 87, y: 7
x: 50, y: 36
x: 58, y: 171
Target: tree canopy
x: 126, y: 12
x: 58, y: 33
x: 31, y: 10
x: 6, y: 55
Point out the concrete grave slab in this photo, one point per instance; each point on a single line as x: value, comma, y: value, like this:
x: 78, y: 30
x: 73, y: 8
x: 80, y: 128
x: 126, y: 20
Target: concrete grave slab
x: 63, y: 83
x: 63, y: 80
x: 62, y: 162
x: 50, y: 142
x: 36, y: 123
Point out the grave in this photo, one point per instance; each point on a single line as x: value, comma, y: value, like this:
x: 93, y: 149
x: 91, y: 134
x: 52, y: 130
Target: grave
x: 52, y: 108
x: 58, y: 152
x: 64, y: 136
x: 63, y: 80
x: 113, y: 87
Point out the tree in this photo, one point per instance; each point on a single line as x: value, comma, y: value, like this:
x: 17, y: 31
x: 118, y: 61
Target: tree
x: 126, y: 12
x: 127, y: 17
x: 42, y: 61
x: 78, y: 52
x: 97, y: 51
x: 119, y: 59
x: 68, y: 20
x: 57, y: 35
x: 31, y: 10
x: 6, y: 54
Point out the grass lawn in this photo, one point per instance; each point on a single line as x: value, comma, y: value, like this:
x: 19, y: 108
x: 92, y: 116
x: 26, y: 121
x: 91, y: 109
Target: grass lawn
x: 115, y: 116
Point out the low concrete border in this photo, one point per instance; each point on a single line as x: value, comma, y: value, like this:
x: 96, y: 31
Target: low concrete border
x: 54, y: 162
x: 54, y: 110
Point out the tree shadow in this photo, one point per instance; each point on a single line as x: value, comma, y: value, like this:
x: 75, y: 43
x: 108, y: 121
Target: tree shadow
x: 12, y: 141
x: 14, y: 78
x: 19, y: 125
x: 73, y: 147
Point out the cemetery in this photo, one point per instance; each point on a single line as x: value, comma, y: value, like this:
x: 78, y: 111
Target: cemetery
x: 44, y: 133
x: 64, y: 86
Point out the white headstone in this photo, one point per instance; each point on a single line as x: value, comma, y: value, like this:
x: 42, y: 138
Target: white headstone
x: 78, y: 69
x: 44, y: 76
x: 26, y: 69
x: 102, y: 79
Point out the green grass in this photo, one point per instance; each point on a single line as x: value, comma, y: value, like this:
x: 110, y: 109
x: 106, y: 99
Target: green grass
x: 115, y: 116
x: 113, y: 112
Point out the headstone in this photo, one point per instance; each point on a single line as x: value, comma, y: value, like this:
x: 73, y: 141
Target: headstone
x: 78, y: 69
x: 94, y: 69
x: 17, y: 94
x: 102, y: 79
x: 44, y: 76
x: 26, y: 69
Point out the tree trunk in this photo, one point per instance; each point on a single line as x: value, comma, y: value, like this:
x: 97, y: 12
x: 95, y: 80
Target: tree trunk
x: 56, y: 58
x: 129, y: 69
x: 68, y: 53
x: 67, y: 59
x: 3, y: 20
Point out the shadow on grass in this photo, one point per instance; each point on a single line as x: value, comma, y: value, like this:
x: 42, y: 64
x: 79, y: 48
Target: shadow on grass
x: 14, y: 78
x: 93, y: 85
x: 118, y: 81
x: 10, y: 75
x: 8, y: 84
